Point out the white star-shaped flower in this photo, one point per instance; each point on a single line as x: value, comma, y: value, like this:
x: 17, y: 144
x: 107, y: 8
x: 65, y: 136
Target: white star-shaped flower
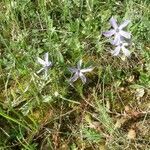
x: 121, y: 46
x: 117, y: 31
x: 45, y: 63
x: 79, y: 73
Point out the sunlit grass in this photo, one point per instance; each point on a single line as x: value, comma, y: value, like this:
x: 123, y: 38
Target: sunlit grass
x: 38, y: 112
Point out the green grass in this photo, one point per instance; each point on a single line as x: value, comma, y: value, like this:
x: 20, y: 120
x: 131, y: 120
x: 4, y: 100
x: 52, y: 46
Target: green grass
x: 38, y: 113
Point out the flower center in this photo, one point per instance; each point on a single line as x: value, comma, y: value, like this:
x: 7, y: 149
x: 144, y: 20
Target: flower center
x: 78, y: 71
x: 117, y: 30
x: 48, y: 65
x: 121, y: 44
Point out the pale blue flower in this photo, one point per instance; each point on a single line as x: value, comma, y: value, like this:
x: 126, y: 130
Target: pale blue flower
x: 79, y: 73
x: 45, y: 63
x: 121, y: 46
x: 117, y: 31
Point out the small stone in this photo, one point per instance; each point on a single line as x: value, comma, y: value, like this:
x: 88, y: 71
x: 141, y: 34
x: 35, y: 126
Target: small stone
x: 131, y: 134
x: 139, y: 93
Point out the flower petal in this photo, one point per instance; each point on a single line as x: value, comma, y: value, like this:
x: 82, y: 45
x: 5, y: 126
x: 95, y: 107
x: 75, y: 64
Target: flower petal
x: 40, y: 70
x: 89, y: 69
x: 73, y: 70
x: 74, y: 78
x: 113, y: 23
x: 116, y: 51
x: 83, y: 78
x: 125, y: 44
x: 42, y: 62
x: 79, y: 64
x: 116, y: 40
x: 109, y: 33
x: 124, y: 24
x: 125, y: 34
x: 49, y: 64
x: 46, y: 58
x: 126, y: 51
